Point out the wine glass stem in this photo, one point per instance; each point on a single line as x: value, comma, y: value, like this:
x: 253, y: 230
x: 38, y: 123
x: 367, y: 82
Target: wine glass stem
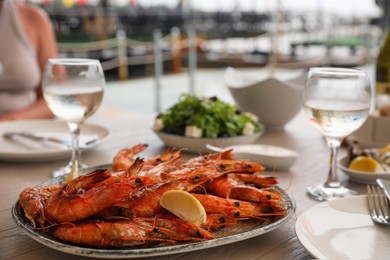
x: 75, y: 132
x: 333, y: 180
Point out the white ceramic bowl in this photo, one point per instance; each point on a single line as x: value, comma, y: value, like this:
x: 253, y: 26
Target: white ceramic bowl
x: 199, y: 144
x: 273, y: 158
x: 275, y: 102
x: 361, y: 177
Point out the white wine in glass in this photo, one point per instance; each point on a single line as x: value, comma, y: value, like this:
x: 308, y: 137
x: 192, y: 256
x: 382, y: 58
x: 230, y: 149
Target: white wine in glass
x: 73, y: 90
x: 337, y: 102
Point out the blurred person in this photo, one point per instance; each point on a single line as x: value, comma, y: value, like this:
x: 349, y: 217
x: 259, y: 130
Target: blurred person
x: 27, y: 41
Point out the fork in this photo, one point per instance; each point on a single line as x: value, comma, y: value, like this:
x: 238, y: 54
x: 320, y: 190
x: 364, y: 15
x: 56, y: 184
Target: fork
x: 378, y: 205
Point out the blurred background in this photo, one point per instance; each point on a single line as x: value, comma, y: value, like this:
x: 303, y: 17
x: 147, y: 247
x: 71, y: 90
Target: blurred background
x: 131, y: 36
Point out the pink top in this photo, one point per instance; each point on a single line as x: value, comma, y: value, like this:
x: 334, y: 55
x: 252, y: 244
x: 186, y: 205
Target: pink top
x: 19, y: 68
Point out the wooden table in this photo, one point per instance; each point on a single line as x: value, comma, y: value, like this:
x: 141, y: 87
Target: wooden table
x: 127, y: 130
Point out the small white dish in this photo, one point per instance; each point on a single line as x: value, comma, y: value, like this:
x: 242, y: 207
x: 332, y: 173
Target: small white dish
x: 342, y: 229
x: 198, y: 145
x: 271, y: 157
x: 361, y: 177
x: 33, y: 151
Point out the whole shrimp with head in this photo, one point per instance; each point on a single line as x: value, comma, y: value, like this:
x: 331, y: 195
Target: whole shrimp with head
x: 125, y: 157
x: 80, y: 199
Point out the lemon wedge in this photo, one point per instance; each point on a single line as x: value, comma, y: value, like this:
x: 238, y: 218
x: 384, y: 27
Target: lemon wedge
x: 184, y: 205
x: 385, y: 149
x: 365, y: 164
x: 74, y: 172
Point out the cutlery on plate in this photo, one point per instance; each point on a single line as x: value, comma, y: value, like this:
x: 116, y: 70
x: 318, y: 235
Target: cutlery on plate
x: 378, y: 205
x: 68, y: 143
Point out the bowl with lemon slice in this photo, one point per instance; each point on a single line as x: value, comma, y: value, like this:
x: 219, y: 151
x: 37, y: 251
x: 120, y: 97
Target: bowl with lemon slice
x: 366, y: 168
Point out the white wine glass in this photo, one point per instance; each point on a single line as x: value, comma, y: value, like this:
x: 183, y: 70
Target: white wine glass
x: 73, y: 90
x: 337, y: 102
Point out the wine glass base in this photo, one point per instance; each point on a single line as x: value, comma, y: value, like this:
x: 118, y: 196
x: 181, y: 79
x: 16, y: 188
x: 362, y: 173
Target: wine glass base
x: 322, y: 193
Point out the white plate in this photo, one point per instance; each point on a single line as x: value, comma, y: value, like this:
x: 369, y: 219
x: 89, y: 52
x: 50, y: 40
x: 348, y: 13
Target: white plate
x: 226, y: 236
x: 199, y: 144
x: 361, y: 177
x: 25, y: 150
x: 342, y: 229
x: 271, y: 157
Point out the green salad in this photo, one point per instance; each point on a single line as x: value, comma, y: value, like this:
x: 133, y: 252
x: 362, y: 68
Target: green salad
x: 205, y: 117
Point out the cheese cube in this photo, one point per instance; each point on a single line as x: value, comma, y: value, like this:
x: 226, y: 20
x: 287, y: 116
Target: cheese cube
x: 248, y: 129
x: 193, y: 131
x: 158, y: 124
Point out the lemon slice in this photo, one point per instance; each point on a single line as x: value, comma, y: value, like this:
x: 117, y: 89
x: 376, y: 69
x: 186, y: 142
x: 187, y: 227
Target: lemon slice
x: 184, y: 205
x: 365, y: 164
x: 74, y: 172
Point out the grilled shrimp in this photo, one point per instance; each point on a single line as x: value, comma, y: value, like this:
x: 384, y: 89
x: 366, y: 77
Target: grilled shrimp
x: 166, y: 156
x: 229, y: 187
x: 33, y: 202
x: 225, y: 165
x: 225, y: 155
x: 239, y: 208
x: 104, y: 234
x: 185, y: 231
x: 69, y: 204
x: 125, y: 157
x: 256, y: 179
